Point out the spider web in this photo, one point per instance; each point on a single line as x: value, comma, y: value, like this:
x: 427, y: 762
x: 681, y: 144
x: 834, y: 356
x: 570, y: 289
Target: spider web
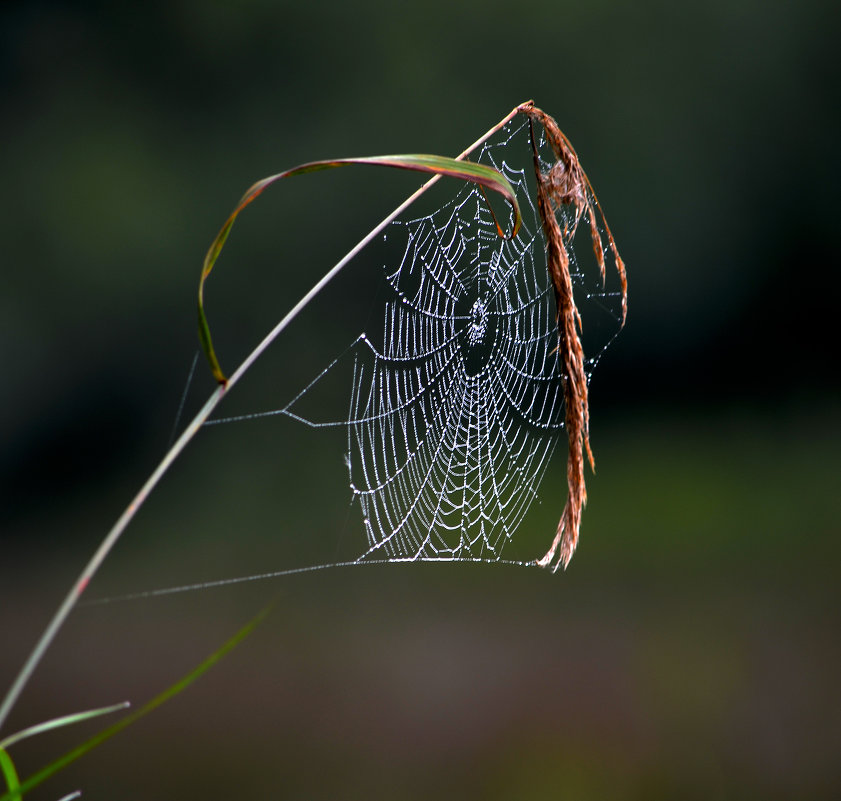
x: 456, y: 399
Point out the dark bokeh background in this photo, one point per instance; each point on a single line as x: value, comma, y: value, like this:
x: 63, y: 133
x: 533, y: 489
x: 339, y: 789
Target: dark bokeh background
x: 692, y: 650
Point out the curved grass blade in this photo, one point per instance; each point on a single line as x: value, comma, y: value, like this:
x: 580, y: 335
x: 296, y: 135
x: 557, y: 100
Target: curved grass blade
x: 7, y: 768
x: 55, y: 723
x: 16, y: 793
x: 485, y: 177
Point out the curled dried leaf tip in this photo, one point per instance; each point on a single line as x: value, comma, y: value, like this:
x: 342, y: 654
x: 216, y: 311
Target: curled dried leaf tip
x: 566, y: 184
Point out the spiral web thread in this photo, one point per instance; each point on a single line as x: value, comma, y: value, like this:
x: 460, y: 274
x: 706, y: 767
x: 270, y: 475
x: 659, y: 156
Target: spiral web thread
x: 456, y: 404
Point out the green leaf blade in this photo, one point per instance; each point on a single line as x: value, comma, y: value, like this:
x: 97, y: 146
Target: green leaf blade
x: 7, y: 768
x: 16, y: 793
x: 482, y: 175
x: 56, y: 723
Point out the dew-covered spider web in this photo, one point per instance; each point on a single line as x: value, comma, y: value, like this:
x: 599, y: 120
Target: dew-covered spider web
x: 454, y: 396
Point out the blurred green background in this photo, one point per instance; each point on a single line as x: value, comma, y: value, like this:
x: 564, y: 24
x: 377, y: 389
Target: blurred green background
x: 691, y: 650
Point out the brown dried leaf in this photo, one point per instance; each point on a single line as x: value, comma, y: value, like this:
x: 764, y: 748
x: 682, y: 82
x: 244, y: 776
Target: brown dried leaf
x: 564, y: 184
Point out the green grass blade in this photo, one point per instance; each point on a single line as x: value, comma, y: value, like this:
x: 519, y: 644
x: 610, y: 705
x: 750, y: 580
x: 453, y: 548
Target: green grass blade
x: 56, y: 723
x: 7, y: 767
x: 486, y: 177
x: 71, y: 756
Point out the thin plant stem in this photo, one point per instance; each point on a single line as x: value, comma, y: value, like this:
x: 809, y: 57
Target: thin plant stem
x: 192, y: 429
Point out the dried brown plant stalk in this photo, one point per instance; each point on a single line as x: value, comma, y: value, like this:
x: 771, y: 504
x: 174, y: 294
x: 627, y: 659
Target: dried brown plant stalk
x: 566, y: 184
